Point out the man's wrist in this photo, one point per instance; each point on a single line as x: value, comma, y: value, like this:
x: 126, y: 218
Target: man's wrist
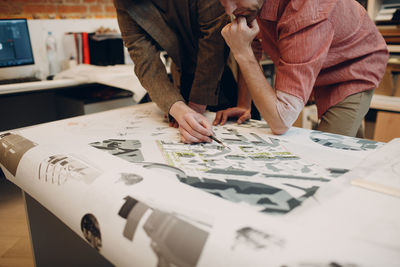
x: 176, y: 108
x: 244, y: 105
x: 245, y: 57
x: 199, y: 108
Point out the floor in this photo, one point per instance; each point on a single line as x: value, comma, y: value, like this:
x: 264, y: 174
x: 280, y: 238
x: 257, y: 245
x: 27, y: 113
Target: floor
x: 15, y: 246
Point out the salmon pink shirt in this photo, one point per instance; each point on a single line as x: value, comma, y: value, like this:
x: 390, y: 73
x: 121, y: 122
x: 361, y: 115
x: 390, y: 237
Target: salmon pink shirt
x: 330, y: 47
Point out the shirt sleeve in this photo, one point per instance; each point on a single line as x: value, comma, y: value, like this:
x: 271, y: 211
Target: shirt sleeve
x: 149, y: 68
x: 302, y: 54
x: 212, y: 52
x: 289, y: 107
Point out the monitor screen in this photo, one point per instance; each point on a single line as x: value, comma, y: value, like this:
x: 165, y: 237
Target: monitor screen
x: 15, y: 44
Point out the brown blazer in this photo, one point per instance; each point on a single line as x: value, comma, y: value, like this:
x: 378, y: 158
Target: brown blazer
x: 146, y: 34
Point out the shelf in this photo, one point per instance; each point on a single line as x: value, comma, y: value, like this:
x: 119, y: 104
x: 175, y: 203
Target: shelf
x: 383, y: 102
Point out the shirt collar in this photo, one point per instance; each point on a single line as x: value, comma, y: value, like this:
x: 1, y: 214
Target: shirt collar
x: 269, y: 10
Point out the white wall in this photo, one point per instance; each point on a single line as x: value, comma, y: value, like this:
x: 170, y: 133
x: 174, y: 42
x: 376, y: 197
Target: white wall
x: 39, y: 29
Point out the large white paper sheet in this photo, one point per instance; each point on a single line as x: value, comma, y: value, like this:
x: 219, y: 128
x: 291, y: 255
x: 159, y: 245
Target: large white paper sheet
x: 123, y: 182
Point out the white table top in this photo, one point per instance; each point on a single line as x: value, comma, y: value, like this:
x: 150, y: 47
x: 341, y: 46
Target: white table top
x: 38, y: 86
x: 266, y: 201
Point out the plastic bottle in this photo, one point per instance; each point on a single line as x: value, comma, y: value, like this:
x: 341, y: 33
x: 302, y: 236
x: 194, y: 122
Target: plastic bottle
x: 51, y: 49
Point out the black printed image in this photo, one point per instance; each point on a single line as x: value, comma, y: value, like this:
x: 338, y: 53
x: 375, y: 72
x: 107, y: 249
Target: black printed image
x: 250, y: 238
x: 342, y: 142
x: 12, y: 148
x: 91, y: 230
x: 126, y: 149
x: 271, y: 199
x: 175, y: 240
x: 130, y: 178
x: 268, y: 198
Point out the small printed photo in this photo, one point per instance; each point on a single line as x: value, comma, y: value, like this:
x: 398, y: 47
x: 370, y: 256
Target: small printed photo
x: 91, y: 230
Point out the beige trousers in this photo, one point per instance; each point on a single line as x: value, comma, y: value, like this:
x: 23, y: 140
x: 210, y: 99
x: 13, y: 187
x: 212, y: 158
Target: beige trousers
x: 346, y: 117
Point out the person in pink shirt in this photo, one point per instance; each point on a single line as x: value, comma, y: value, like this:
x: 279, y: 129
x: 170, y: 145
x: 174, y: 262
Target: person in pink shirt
x: 329, y: 49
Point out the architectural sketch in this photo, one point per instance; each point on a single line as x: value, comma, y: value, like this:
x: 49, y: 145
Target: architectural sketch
x: 12, y: 148
x: 255, y: 170
x: 125, y: 149
x: 58, y: 169
x: 343, y: 142
x: 250, y: 238
x: 168, y: 233
x: 91, y: 230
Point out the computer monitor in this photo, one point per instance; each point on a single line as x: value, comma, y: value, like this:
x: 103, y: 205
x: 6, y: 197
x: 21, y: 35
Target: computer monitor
x: 15, y: 43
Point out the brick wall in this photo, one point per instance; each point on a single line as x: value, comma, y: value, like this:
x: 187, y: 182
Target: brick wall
x: 51, y: 9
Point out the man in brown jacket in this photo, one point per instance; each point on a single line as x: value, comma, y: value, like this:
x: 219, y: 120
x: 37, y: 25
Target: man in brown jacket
x: 189, y: 31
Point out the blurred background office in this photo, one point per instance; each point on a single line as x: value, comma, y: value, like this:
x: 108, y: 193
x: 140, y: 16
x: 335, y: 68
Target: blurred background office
x: 27, y: 97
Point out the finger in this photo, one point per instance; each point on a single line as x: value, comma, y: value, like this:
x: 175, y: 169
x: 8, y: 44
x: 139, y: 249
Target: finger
x: 188, y: 127
x: 199, y: 124
x: 206, y: 124
x: 254, y: 26
x: 217, y: 118
x: 187, y: 137
x: 229, y: 113
x: 242, y: 22
x: 224, y: 118
x: 225, y: 30
x: 184, y: 140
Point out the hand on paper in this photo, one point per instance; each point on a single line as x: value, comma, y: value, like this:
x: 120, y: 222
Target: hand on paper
x: 222, y: 116
x: 193, y: 127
